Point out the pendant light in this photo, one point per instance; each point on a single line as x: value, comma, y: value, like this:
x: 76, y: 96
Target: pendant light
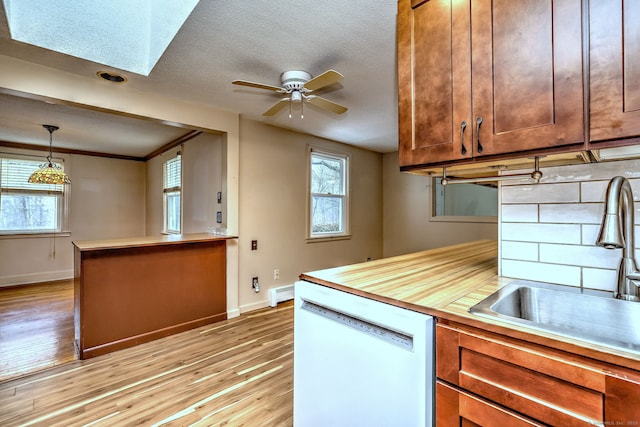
x: 48, y: 172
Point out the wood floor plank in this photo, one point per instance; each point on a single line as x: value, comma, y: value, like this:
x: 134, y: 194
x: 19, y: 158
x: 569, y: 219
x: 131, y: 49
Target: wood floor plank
x: 236, y: 372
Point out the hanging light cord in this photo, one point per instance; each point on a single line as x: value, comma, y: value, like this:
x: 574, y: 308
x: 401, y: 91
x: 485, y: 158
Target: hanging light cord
x: 51, y: 129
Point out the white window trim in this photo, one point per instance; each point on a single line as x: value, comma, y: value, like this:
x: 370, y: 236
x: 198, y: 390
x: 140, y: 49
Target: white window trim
x: 346, y: 233
x: 165, y: 158
x: 63, y: 204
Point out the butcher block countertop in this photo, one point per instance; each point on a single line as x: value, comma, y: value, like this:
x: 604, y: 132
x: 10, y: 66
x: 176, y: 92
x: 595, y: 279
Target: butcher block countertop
x: 446, y: 282
x: 133, y: 242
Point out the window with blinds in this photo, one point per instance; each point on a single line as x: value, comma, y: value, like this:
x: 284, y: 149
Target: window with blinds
x: 172, y: 194
x: 26, y: 207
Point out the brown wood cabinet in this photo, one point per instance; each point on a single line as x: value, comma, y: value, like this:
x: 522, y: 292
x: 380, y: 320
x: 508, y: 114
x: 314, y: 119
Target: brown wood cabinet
x: 479, y: 78
x: 489, y: 379
x: 614, y: 71
x: 130, y: 293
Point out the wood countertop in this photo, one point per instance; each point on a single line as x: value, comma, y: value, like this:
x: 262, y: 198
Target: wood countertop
x: 134, y: 242
x: 446, y: 282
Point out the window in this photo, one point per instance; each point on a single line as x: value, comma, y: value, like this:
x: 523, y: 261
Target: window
x: 172, y: 192
x: 26, y: 207
x: 328, y: 195
x: 464, y: 202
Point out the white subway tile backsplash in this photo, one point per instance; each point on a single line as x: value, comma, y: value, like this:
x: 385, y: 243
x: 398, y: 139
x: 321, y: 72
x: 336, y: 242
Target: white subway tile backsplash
x: 578, y: 213
x: 592, y: 172
x: 590, y: 234
x: 520, y: 251
x: 584, y: 256
x: 595, y: 191
x: 547, y: 233
x: 550, y: 273
x: 520, y: 213
x: 542, y: 193
x: 604, y: 280
x: 548, y: 230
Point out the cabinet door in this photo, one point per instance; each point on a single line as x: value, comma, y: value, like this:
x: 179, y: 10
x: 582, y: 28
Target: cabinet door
x: 614, y: 77
x: 434, y: 81
x: 527, y: 75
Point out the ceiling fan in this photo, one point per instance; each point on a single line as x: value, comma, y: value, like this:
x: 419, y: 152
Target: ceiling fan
x: 298, y: 86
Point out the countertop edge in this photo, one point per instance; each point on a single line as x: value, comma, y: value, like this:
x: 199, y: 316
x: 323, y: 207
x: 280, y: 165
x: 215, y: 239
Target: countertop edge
x: 147, y: 241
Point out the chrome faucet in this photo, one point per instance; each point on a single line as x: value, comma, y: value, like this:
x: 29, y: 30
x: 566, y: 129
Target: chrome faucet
x: 616, y: 232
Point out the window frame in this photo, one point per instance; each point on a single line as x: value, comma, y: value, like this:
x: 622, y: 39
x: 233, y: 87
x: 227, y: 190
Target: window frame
x: 346, y: 189
x: 166, y: 191
x: 62, y: 205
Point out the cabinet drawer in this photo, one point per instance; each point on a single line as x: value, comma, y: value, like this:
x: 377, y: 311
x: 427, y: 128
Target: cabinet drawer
x: 455, y: 407
x: 547, y: 385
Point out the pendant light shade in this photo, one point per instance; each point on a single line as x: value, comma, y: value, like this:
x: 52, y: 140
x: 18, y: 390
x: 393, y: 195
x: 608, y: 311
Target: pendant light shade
x: 49, y: 173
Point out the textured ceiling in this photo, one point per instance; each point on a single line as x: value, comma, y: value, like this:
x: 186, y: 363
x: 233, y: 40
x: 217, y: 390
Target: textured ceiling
x: 252, y: 40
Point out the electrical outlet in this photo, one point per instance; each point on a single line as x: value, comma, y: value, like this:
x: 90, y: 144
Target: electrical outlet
x: 255, y: 284
x: 254, y: 245
x: 276, y: 274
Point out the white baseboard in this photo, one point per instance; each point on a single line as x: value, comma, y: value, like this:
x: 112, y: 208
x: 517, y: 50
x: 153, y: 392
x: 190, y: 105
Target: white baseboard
x: 233, y: 313
x: 25, y: 279
x: 254, y: 306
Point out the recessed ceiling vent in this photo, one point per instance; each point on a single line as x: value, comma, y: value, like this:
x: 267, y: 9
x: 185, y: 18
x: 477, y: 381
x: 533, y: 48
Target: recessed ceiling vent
x: 112, y: 77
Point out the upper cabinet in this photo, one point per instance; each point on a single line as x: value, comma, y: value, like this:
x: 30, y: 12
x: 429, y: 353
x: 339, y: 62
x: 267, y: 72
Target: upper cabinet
x: 480, y: 78
x: 614, y: 75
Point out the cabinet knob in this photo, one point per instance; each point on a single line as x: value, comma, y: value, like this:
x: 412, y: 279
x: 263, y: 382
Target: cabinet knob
x: 463, y: 126
x: 478, y: 123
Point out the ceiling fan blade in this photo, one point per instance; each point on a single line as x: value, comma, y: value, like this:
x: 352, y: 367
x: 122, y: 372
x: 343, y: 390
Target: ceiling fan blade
x: 257, y: 85
x: 325, y: 79
x: 276, y: 107
x: 326, y: 104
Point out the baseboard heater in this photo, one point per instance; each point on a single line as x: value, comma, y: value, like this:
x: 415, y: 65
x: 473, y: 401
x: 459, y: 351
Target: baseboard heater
x: 280, y: 294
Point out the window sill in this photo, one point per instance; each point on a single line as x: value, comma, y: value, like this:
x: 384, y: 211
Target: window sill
x: 34, y: 235
x: 328, y: 238
x: 477, y: 219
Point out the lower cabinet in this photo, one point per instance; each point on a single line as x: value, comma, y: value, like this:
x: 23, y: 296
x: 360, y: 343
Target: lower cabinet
x: 487, y: 379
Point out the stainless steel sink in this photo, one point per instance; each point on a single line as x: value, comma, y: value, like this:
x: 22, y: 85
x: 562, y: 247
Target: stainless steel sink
x: 593, y: 316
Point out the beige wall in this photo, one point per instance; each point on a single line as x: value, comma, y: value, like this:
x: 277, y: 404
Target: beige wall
x: 202, y: 170
x: 202, y: 179
x: 99, y: 208
x: 407, y: 228
x: 273, y: 186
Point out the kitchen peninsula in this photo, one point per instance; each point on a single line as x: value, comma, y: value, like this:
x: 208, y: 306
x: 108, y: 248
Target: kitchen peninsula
x: 134, y: 290
x: 487, y: 371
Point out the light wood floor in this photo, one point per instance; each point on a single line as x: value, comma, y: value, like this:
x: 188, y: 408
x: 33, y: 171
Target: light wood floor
x: 234, y: 373
x: 36, y: 327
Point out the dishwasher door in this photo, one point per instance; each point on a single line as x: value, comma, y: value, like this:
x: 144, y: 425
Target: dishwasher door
x: 360, y: 362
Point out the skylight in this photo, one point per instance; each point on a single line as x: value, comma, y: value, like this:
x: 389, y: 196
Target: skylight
x: 130, y: 35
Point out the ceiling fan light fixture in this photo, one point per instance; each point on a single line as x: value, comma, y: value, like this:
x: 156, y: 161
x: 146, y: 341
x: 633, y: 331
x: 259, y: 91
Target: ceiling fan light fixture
x: 49, y: 173
x: 299, y: 85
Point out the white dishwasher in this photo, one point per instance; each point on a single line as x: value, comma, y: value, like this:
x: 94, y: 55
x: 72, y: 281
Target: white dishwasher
x: 360, y: 362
